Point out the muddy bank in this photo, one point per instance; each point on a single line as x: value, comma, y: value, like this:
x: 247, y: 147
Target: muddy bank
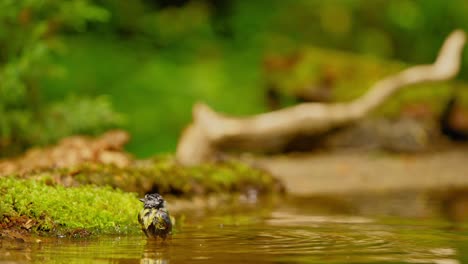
x: 361, y: 171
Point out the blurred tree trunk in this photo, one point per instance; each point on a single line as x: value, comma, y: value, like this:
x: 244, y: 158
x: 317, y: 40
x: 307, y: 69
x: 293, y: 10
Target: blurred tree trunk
x: 212, y: 132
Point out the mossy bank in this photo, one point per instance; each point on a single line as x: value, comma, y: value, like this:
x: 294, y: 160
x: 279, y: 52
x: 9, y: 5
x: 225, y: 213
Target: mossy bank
x: 102, y: 199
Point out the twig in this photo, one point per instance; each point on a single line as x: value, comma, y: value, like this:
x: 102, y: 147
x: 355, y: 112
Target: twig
x: 211, y: 131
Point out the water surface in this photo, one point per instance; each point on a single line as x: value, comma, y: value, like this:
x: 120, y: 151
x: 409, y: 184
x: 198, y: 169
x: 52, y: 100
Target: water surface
x: 395, y: 229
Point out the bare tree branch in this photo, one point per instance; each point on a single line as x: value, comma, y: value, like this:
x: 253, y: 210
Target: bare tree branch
x: 211, y: 131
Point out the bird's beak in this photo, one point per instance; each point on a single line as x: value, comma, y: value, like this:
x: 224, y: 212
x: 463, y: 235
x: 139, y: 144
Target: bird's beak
x: 142, y: 200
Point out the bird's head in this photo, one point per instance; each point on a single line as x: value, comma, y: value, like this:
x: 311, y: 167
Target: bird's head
x: 153, y: 201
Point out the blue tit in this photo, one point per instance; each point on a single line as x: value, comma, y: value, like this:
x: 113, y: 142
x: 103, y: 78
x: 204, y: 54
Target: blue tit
x: 154, y: 218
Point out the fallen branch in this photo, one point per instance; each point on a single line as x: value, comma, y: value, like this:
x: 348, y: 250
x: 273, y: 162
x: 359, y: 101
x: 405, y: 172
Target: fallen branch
x: 212, y: 131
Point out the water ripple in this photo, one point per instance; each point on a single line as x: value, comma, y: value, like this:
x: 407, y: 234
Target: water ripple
x: 282, y: 237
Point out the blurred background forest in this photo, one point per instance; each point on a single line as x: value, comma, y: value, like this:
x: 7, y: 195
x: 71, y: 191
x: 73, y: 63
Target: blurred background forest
x: 85, y: 66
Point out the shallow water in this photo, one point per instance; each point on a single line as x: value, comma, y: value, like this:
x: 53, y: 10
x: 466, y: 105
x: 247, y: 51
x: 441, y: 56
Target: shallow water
x: 394, y: 229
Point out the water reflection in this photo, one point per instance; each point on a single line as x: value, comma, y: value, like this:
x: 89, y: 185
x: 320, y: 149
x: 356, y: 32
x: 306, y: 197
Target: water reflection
x: 293, y: 231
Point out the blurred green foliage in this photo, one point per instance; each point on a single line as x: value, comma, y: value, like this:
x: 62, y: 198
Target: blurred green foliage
x: 154, y: 58
x: 29, y: 32
x: 411, y: 30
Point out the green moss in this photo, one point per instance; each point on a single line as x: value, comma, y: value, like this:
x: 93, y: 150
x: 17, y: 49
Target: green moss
x: 163, y: 175
x: 97, y: 198
x: 60, y: 209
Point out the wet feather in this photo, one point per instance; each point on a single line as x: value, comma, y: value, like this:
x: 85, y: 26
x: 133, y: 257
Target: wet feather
x: 154, y: 219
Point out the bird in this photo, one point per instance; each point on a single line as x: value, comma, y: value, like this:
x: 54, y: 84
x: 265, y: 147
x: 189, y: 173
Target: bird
x: 154, y: 218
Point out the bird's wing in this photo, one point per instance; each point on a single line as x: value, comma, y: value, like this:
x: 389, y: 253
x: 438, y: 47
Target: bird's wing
x: 148, y: 216
x: 162, y: 221
x: 140, y: 217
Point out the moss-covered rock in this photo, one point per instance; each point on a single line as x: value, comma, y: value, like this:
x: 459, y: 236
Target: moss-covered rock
x: 95, y: 198
x: 163, y: 175
x: 37, y: 206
